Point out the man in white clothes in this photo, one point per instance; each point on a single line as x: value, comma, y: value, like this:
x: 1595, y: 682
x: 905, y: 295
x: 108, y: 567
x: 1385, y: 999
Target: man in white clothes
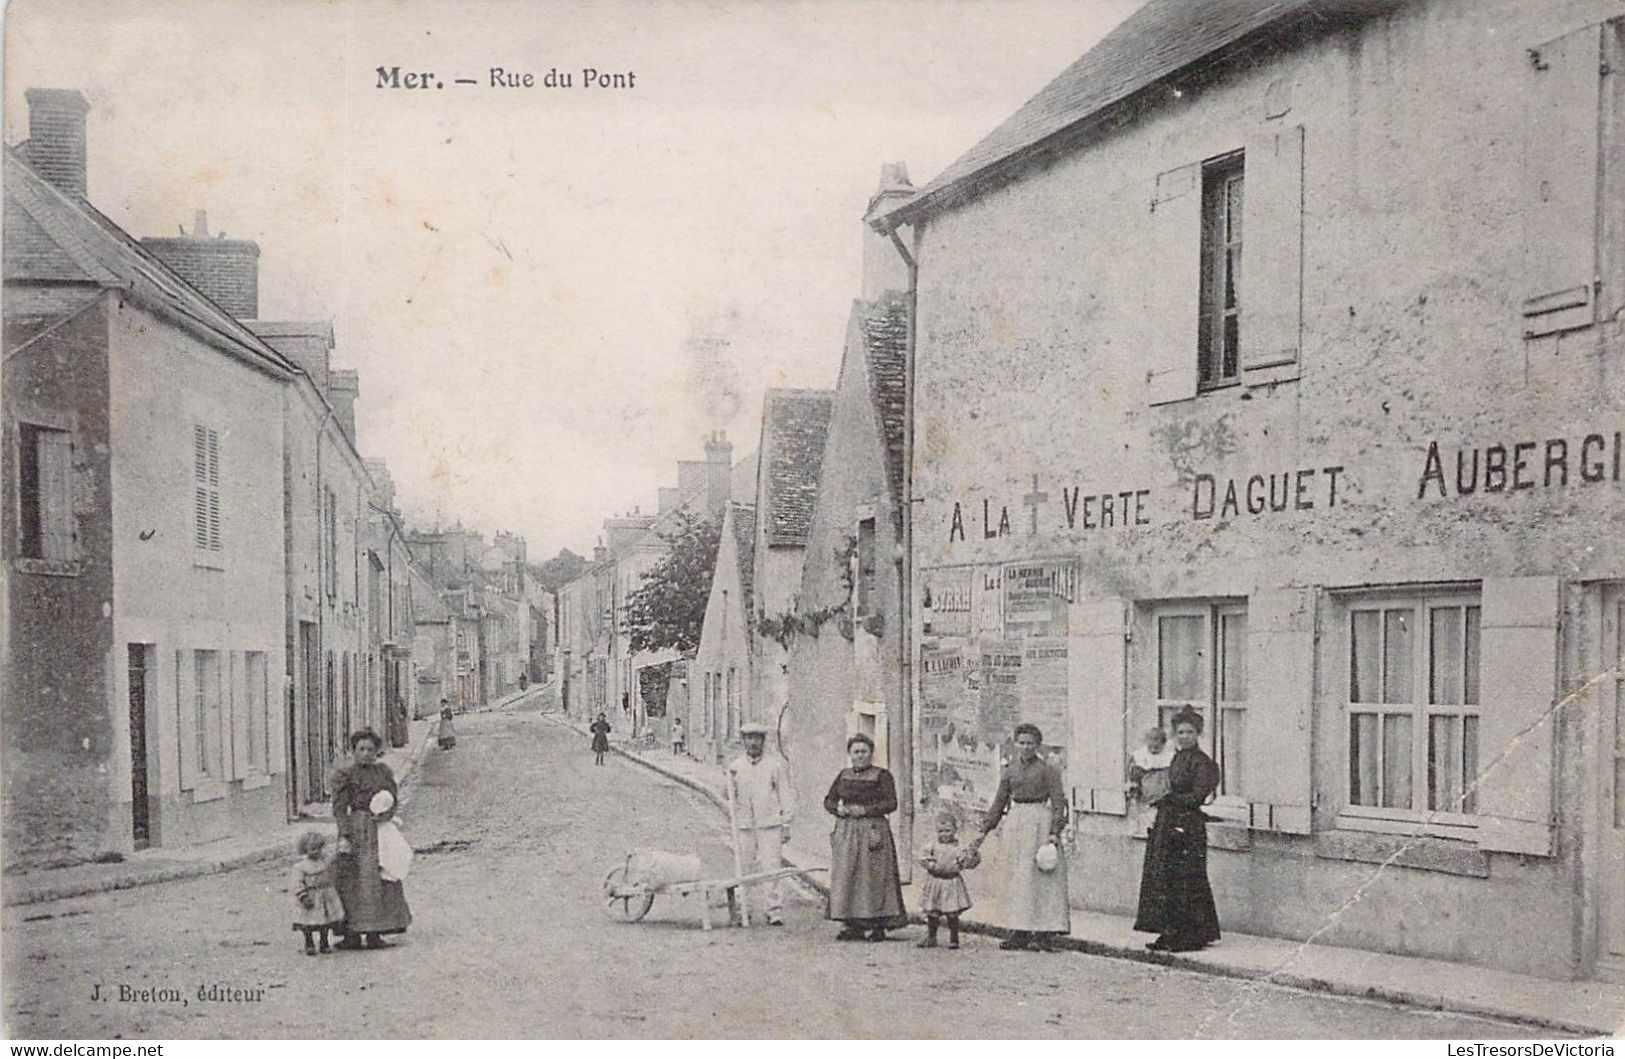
x: 763, y: 807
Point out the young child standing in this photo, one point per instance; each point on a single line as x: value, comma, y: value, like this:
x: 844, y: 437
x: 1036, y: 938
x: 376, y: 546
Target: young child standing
x: 943, y: 895
x: 317, y: 908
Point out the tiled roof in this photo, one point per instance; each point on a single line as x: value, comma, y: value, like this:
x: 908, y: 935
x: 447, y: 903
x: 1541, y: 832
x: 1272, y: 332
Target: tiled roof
x: 742, y: 517
x: 1157, y: 41
x: 885, y: 334
x: 52, y: 236
x: 794, y: 426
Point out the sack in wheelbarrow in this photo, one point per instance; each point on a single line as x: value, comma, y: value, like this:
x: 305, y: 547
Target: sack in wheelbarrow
x: 653, y: 867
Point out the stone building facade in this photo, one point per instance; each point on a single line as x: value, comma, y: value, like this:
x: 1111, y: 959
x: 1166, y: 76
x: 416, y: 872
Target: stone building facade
x: 1359, y: 507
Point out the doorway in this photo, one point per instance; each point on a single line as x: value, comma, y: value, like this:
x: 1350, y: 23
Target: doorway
x: 141, y: 675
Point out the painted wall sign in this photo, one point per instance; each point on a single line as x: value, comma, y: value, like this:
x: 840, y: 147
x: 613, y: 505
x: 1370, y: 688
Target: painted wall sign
x: 1553, y: 463
x: 1259, y: 494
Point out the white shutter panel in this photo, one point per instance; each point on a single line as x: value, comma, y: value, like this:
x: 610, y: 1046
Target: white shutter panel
x: 1558, y: 196
x: 1518, y: 675
x: 1097, y: 658
x: 186, y: 719
x: 1272, y: 250
x: 1280, y: 696
x: 1173, y: 289
x: 214, y: 491
x: 239, y: 702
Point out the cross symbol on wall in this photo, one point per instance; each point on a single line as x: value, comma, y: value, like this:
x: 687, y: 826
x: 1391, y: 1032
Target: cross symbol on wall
x: 1033, y: 499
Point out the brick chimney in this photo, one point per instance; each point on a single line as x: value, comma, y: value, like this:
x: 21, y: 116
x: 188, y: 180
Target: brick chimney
x: 56, y: 137
x: 226, y: 271
x: 308, y: 343
x: 719, y: 460
x: 883, y: 268
x: 343, y: 387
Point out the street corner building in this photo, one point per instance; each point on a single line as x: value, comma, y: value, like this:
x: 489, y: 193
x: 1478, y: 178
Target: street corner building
x: 1269, y: 363
x: 205, y: 586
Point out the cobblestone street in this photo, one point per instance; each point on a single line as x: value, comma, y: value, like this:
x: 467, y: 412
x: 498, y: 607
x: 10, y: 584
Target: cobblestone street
x: 516, y: 829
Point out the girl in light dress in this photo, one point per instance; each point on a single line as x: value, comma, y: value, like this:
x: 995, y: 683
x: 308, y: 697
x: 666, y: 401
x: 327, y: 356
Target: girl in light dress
x: 944, y: 895
x: 316, y: 905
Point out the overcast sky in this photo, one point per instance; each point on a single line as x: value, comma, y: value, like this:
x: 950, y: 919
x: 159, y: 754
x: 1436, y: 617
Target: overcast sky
x: 550, y: 295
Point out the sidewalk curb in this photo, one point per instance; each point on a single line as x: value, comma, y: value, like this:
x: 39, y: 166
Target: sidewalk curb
x: 19, y: 894
x: 1289, y: 980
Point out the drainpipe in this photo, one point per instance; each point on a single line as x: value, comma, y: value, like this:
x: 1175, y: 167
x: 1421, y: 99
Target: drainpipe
x: 321, y: 588
x: 910, y: 763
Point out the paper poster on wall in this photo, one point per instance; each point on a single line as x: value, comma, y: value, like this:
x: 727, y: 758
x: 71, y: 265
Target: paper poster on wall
x: 987, y: 602
x: 999, y: 707
x: 967, y: 773
x: 946, y: 601
x: 944, y: 698
x: 1036, y: 596
x: 1044, y: 686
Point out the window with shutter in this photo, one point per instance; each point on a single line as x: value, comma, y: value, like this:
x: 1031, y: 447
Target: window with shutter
x: 1280, y: 689
x: 1513, y: 793
x: 1200, y: 660
x: 45, y: 493
x: 1558, y: 196
x: 1097, y: 659
x: 1272, y: 257
x: 206, y: 536
x: 1173, y: 307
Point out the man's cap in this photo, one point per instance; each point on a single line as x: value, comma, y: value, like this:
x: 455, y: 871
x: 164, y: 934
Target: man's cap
x: 753, y: 728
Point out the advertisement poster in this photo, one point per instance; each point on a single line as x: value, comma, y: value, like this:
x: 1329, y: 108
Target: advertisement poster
x: 999, y: 709
x: 944, y: 699
x: 946, y: 606
x: 1044, y: 686
x: 1036, y: 596
x: 988, y: 614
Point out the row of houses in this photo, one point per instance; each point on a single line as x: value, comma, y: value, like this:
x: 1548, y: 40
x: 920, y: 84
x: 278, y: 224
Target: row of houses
x: 207, y: 586
x: 1268, y: 362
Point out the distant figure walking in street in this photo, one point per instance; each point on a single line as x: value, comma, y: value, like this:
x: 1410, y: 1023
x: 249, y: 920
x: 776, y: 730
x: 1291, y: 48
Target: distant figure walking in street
x: 317, y: 908
x: 763, y: 806
x: 944, y: 894
x: 600, y: 738
x: 1033, y: 902
x: 865, y: 891
x: 679, y: 738
x: 446, y: 734
x: 373, y: 906
x: 1176, y: 900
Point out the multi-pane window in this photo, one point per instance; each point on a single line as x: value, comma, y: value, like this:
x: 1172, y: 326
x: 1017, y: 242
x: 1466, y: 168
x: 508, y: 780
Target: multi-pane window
x: 330, y: 539
x: 1413, y: 697
x: 1219, y: 331
x: 205, y: 489
x: 1201, y: 657
x: 45, y: 492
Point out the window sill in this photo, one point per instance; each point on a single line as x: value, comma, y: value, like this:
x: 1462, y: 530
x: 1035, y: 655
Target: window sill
x: 1391, y: 823
x: 48, y: 567
x: 1449, y: 856
x: 208, y: 790
x: 255, y: 780
x: 208, y: 562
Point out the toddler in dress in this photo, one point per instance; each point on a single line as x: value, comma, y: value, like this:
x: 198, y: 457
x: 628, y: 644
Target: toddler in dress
x: 316, y: 905
x: 943, y: 894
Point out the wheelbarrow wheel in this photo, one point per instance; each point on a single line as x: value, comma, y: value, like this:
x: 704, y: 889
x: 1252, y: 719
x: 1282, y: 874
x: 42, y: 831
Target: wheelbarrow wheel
x: 621, y: 904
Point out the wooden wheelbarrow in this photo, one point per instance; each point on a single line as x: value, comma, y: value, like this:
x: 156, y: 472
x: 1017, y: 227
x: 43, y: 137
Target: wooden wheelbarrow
x: 629, y: 894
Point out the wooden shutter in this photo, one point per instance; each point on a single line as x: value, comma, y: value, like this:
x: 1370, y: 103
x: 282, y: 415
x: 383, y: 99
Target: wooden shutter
x: 1173, y: 287
x: 1518, y: 675
x: 1272, y: 250
x: 1280, y: 701
x: 238, y: 702
x: 1558, y: 194
x: 1097, y: 659
x: 186, y: 719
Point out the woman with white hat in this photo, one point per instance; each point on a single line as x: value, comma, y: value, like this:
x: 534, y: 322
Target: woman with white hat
x: 1032, y: 901
x: 364, y: 795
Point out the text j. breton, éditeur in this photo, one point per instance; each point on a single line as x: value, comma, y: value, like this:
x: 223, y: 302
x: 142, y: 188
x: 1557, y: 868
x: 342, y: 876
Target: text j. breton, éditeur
x: 588, y: 77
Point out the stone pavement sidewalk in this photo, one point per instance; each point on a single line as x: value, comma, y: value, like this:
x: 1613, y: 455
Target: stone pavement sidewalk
x: 1582, y: 1008
x: 168, y: 863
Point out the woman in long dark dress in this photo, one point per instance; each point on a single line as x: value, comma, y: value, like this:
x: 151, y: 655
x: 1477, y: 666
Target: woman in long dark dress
x: 373, y: 906
x: 600, y: 730
x: 1176, y: 901
x: 865, y: 891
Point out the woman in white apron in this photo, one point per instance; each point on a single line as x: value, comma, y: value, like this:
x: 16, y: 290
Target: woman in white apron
x: 1031, y: 901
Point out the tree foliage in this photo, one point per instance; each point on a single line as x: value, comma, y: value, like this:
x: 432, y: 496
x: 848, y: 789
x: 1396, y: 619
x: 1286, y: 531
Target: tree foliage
x: 559, y: 570
x: 668, y: 609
